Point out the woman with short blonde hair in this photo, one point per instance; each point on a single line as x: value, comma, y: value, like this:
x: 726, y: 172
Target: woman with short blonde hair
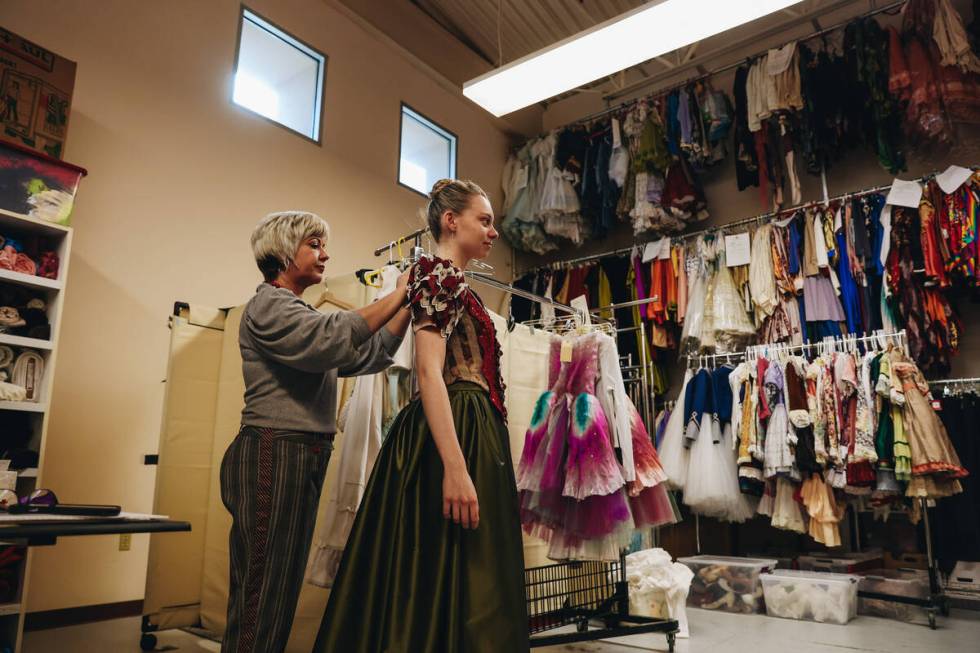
x: 272, y: 473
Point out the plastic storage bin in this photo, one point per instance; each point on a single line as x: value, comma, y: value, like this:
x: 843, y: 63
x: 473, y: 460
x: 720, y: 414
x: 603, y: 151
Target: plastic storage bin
x: 37, y: 185
x: 729, y: 584
x: 811, y: 595
x: 841, y: 563
x: 911, y: 583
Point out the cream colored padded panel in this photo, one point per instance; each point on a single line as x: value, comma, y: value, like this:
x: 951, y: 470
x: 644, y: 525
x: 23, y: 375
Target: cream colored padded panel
x: 173, y: 587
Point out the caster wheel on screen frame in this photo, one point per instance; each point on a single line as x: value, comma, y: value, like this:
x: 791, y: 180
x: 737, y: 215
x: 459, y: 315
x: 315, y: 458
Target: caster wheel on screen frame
x: 148, y: 642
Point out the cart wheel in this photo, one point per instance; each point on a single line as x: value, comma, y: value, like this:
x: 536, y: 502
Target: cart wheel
x: 932, y: 619
x: 148, y: 642
x: 671, y: 640
x: 582, y: 625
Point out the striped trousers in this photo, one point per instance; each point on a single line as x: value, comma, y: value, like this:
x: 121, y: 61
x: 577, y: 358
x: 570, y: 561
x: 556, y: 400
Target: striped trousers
x: 270, y: 483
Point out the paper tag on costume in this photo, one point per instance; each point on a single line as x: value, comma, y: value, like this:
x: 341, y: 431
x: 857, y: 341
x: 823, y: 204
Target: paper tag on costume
x: 8, y: 480
x: 656, y: 249
x: 952, y: 178
x: 905, y: 193
x: 937, y: 405
x: 520, y: 180
x: 566, y: 351
x: 581, y: 303
x: 617, y: 139
x: 738, y: 250
x: 778, y: 60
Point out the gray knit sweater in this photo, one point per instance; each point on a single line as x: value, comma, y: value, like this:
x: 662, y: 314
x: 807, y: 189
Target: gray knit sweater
x: 292, y: 355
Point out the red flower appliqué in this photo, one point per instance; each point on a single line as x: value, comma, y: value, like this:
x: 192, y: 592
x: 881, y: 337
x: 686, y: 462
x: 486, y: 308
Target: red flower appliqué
x: 435, y: 287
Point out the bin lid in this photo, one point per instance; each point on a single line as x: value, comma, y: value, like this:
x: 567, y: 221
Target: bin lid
x: 843, y: 556
x: 730, y: 561
x: 813, y: 576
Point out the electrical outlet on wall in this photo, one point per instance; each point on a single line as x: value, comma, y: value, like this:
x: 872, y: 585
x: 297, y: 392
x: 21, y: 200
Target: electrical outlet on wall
x: 125, y: 541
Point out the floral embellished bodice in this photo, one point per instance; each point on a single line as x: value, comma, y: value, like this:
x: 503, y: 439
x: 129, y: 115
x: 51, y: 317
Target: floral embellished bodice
x: 440, y: 297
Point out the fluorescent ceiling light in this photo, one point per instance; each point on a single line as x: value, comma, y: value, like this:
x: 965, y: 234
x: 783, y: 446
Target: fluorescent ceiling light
x: 642, y: 34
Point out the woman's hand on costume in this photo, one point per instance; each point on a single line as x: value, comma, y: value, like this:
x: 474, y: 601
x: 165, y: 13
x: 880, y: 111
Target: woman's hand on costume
x: 401, y: 286
x: 459, y: 501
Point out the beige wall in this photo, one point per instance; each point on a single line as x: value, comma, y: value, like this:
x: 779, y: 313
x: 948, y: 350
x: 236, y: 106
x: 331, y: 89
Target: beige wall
x: 178, y: 177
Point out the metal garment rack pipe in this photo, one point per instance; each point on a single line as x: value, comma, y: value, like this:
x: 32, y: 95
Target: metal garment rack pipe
x: 404, y: 239
x: 500, y: 285
x: 717, y: 71
x: 970, y: 379
x: 723, y: 227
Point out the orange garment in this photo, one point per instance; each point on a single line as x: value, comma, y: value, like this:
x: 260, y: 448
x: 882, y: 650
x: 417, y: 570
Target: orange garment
x: 931, y: 251
x: 825, y: 514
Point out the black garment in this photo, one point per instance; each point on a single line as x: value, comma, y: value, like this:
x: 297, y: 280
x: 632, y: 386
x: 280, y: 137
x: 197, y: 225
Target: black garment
x: 746, y: 162
x: 608, y: 190
x: 522, y: 309
x: 957, y: 518
x: 617, y: 271
x: 570, y: 151
x: 872, y: 114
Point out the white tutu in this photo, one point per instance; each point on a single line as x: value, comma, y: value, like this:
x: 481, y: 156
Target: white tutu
x: 694, y: 318
x: 712, y: 479
x: 673, y: 454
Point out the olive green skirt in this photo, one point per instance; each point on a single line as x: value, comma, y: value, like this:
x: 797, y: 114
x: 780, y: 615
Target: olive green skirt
x: 411, y: 581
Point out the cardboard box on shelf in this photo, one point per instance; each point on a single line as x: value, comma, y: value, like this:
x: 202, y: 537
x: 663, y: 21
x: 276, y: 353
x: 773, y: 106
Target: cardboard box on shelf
x: 36, y: 86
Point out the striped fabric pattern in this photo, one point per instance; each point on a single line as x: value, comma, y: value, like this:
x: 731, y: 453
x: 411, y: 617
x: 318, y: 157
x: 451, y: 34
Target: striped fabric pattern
x: 270, y: 483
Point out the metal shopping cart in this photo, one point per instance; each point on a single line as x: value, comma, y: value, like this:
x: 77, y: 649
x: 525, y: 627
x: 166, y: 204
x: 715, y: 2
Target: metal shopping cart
x: 585, y: 594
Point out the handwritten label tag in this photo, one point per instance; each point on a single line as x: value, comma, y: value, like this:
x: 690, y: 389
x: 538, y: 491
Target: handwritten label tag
x: 566, y: 351
x: 738, y: 250
x: 952, y: 178
x: 905, y: 193
x: 656, y: 249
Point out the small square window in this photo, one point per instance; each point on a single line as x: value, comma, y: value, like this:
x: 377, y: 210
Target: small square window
x: 278, y: 76
x: 427, y: 152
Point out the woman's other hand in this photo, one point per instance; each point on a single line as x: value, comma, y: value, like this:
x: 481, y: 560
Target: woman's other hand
x: 459, y: 501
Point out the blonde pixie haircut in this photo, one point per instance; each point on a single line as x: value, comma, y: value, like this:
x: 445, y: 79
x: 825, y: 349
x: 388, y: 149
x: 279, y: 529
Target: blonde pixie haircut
x: 277, y: 238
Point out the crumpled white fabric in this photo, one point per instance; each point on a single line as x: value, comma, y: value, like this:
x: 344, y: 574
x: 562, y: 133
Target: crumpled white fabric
x: 810, y: 598
x: 653, y: 571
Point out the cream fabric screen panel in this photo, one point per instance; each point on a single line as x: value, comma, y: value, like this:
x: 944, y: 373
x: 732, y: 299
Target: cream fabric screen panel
x: 173, y: 581
x: 214, y: 591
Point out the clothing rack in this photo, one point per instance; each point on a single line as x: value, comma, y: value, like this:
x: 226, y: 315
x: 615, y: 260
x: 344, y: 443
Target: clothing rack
x: 849, y: 342
x: 717, y: 71
x: 756, y: 219
x: 936, y: 603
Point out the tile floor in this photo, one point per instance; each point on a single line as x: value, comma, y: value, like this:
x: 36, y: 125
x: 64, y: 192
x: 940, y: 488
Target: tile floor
x: 711, y: 632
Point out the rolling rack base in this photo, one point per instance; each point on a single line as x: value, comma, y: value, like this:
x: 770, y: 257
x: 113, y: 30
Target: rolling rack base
x: 577, y: 593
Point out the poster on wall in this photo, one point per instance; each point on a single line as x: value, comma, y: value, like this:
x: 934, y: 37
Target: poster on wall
x: 35, y: 95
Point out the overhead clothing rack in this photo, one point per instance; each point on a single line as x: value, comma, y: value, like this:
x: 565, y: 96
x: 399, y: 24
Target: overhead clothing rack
x: 821, y: 31
x: 727, y: 227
